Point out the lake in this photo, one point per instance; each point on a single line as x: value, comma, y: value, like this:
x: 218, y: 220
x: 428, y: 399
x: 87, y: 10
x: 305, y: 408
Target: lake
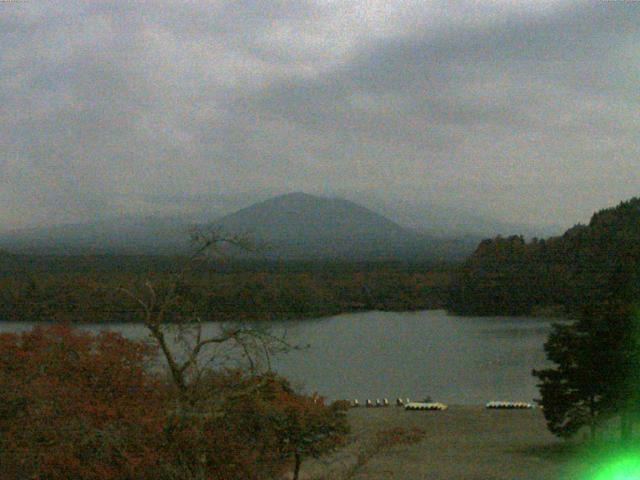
x: 457, y: 360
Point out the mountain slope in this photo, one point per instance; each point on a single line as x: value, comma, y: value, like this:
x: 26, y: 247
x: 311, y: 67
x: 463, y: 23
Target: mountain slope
x: 299, y: 225
x: 292, y: 226
x: 437, y: 218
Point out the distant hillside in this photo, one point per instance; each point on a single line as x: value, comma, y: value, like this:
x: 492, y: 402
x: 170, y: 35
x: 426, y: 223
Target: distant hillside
x: 589, y: 263
x: 130, y: 235
x: 295, y: 226
x: 440, y: 220
x: 300, y: 225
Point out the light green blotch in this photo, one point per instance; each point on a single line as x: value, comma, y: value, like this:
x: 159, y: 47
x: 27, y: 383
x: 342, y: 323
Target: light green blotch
x: 625, y: 467
x: 622, y: 465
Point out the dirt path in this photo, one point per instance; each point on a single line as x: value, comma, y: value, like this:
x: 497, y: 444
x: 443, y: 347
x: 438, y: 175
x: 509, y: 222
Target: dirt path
x: 469, y: 443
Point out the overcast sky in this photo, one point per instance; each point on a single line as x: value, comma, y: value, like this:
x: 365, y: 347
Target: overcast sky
x: 528, y: 111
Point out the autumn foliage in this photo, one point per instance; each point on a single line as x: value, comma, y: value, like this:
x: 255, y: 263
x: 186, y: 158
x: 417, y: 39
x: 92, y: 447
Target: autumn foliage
x: 76, y: 406
x: 79, y: 406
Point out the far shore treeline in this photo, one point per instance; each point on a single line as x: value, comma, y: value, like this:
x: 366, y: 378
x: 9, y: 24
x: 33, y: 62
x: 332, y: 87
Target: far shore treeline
x: 558, y: 276
x: 85, y: 289
x: 504, y: 276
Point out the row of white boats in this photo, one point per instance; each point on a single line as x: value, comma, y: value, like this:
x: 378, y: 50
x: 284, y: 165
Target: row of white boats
x: 510, y: 405
x: 429, y: 405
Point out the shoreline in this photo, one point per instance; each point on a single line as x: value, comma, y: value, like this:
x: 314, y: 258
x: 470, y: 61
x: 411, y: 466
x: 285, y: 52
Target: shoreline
x: 314, y: 317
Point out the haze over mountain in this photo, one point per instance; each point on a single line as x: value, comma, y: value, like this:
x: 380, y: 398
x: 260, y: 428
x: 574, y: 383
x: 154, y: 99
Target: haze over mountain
x: 436, y: 218
x: 290, y: 226
x: 300, y: 225
x: 123, y: 235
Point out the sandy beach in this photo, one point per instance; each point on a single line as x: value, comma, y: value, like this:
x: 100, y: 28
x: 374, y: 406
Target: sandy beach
x: 463, y: 442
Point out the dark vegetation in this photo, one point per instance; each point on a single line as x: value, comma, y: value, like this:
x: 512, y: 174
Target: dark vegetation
x: 509, y: 276
x: 84, y: 288
x: 75, y: 405
x: 595, y: 378
x: 590, y: 275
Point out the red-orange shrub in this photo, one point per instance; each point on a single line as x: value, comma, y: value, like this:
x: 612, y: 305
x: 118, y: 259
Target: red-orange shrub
x: 263, y: 425
x: 74, y: 405
x: 79, y: 406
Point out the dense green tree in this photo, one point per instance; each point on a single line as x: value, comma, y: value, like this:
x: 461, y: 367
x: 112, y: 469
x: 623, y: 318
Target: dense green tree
x: 588, y: 264
x: 568, y: 400
x: 596, y: 372
x: 596, y: 375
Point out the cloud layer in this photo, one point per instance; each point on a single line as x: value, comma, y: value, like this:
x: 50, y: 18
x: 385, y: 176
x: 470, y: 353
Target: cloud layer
x: 528, y: 111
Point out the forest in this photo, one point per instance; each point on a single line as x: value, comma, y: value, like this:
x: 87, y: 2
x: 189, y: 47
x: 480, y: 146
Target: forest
x: 504, y: 276
x: 588, y: 264
x: 86, y: 289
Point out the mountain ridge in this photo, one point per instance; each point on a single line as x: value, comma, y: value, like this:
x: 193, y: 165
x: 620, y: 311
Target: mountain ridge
x: 296, y: 225
x: 300, y: 225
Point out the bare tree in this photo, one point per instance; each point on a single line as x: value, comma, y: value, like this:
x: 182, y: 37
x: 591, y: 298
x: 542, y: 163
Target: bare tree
x: 157, y: 307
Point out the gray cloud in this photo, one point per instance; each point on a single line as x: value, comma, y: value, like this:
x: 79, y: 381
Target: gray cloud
x: 527, y: 111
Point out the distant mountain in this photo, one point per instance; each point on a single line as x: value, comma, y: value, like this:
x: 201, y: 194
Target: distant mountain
x: 411, y: 210
x: 292, y: 226
x: 299, y: 225
x: 126, y: 235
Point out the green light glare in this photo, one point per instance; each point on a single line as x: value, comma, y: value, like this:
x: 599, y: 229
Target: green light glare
x: 624, y: 467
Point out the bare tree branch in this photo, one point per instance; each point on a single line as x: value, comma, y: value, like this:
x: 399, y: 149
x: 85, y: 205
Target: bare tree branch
x: 156, y: 306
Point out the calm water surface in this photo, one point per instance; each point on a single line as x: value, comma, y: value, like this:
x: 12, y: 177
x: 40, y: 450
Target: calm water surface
x: 458, y: 360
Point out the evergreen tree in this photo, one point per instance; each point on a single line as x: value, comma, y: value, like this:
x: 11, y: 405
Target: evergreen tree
x: 570, y: 399
x: 597, y: 370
